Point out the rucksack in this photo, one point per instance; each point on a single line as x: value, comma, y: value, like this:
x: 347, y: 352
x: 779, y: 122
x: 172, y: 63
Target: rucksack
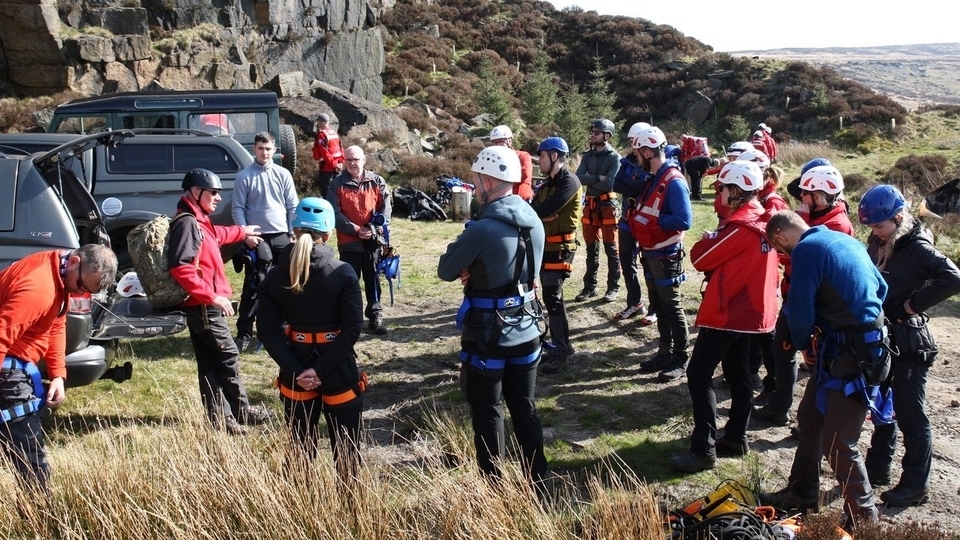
x: 148, y: 244
x: 692, y: 146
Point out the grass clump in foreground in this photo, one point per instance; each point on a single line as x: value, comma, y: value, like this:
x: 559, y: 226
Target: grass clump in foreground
x: 177, y: 478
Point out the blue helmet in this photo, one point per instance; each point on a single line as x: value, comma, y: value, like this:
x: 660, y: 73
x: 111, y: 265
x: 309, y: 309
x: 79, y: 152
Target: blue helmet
x: 879, y: 204
x: 314, y: 214
x: 815, y: 162
x: 556, y: 144
x: 671, y: 151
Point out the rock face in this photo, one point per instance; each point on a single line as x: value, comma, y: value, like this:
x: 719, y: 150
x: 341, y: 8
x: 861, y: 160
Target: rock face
x: 99, y: 46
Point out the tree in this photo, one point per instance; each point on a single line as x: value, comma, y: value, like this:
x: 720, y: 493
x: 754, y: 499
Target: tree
x: 600, y: 99
x: 574, y: 119
x: 491, y: 94
x: 541, y: 102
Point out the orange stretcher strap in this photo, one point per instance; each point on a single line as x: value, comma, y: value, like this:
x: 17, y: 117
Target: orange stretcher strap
x: 311, y: 338
x: 561, y: 238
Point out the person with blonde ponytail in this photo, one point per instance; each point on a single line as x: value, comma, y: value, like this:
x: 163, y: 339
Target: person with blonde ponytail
x: 309, y: 319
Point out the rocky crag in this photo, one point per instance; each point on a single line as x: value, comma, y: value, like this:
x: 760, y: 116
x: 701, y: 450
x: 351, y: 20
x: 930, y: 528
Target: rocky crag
x: 97, y: 46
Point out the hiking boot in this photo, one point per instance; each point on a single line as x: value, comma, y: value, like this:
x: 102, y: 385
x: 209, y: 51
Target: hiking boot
x: 629, y: 311
x: 763, y: 398
x: 674, y: 372
x: 659, y: 362
x: 905, y: 496
x: 611, y: 295
x: 756, y: 381
x: 767, y: 414
x: 553, y: 363
x: 584, y: 294
x: 691, y: 463
x: 253, y: 416
x: 795, y: 432
x: 231, y: 426
x: 878, y: 477
x: 648, y: 319
x: 787, y: 500
x: 727, y: 448
x: 377, y: 326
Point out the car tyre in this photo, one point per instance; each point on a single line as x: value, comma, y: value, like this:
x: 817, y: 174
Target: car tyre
x: 288, y: 147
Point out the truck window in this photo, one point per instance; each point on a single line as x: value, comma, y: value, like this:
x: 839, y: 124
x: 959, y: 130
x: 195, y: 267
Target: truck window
x: 140, y: 159
x: 214, y: 158
x: 243, y: 126
x: 152, y: 120
x: 82, y: 125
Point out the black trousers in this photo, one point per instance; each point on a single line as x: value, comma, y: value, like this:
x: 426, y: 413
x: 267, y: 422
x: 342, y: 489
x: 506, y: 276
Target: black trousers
x: 909, y: 401
x: 629, y: 266
x: 730, y: 350
x: 364, y: 263
x: 343, y: 427
x: 22, y: 437
x: 834, y: 434
x: 221, y: 390
x: 785, y: 367
x: 247, y: 312
x: 486, y: 396
x: 671, y: 320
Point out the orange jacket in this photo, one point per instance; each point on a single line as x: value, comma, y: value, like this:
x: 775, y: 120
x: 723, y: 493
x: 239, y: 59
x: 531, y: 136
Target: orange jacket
x: 33, y: 311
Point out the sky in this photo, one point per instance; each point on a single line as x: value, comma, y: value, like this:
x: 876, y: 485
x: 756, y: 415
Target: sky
x: 774, y: 24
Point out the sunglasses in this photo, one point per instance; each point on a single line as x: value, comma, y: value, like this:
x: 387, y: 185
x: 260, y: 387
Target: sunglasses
x: 80, y: 284
x: 596, y: 132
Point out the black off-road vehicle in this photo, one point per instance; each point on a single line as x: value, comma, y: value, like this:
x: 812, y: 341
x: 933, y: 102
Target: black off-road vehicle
x: 240, y: 113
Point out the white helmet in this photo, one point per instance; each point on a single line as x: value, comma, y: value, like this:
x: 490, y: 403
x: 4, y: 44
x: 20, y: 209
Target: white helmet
x: 129, y: 285
x: 501, y: 132
x: 651, y: 137
x: 636, y: 129
x: 764, y: 127
x: 825, y: 178
x: 738, y: 148
x: 499, y: 162
x: 755, y: 156
x: 744, y: 174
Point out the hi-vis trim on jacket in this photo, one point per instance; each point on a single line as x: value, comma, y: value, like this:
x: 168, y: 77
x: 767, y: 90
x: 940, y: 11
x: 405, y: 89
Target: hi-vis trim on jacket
x: 645, y: 219
x: 561, y: 238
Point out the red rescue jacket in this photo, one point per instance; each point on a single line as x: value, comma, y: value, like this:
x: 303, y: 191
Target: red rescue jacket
x: 327, y: 150
x: 206, y: 279
x: 741, y: 292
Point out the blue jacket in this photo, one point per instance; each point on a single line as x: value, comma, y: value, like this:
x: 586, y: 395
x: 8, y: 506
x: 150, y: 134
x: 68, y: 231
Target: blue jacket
x: 630, y: 182
x: 834, y: 285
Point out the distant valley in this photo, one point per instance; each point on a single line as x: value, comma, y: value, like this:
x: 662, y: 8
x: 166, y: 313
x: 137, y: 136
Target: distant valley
x: 911, y: 74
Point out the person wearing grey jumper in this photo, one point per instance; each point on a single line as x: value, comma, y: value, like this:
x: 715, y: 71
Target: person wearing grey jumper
x: 263, y: 195
x: 497, y: 258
